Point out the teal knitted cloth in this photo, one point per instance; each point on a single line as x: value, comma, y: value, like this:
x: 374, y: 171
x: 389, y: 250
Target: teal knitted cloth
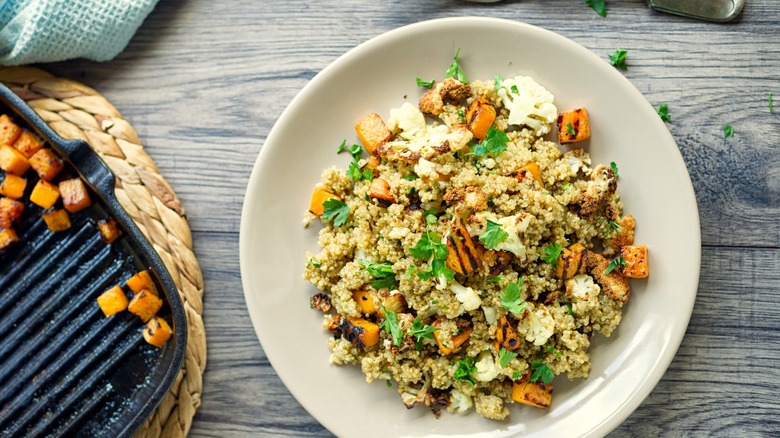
x: 55, y: 30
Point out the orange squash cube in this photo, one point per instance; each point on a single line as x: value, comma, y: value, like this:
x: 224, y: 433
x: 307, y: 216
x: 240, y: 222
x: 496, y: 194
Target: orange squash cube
x: 457, y: 340
x: 531, y: 169
x: 571, y: 261
x: 145, y: 305
x: 28, y: 143
x: 380, y: 190
x: 7, y: 238
x: 157, y: 332
x: 74, y: 195
x: 109, y: 230
x: 573, y: 126
x: 9, y: 131
x: 636, y: 259
x: 46, y: 164
x: 535, y: 394
x: 479, y: 117
x: 372, y: 132
x: 44, y: 194
x: 13, y: 161
x: 10, y: 212
x: 11, y: 185
x: 364, y: 301
x: 362, y: 333
x: 318, y: 197
x: 142, y: 281
x: 112, y: 301
x: 56, y: 220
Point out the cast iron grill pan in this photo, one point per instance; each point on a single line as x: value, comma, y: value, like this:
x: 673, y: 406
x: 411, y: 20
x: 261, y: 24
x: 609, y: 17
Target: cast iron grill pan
x: 66, y: 369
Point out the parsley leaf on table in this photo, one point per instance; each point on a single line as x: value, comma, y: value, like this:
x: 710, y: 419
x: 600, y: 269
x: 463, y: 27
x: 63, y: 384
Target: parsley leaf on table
x: 728, y: 131
x: 335, y: 210
x: 618, y: 59
x: 455, y: 71
x: 598, y: 5
x: 493, y: 235
x: 541, y: 371
x: 769, y: 98
x: 663, y: 112
x: 550, y: 253
x: 511, y: 297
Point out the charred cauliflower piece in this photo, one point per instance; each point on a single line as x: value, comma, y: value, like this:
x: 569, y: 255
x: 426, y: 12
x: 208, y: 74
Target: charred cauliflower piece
x: 621, y: 237
x: 614, y: 284
x: 449, y: 91
x: 599, y: 190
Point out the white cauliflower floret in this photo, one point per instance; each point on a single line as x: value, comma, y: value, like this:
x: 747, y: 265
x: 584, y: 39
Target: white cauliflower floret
x: 582, y: 288
x: 486, y: 367
x: 466, y: 295
x: 407, y: 119
x: 531, y: 106
x: 490, y: 314
x: 459, y: 402
x: 425, y: 169
x: 537, y: 325
x: 515, y: 227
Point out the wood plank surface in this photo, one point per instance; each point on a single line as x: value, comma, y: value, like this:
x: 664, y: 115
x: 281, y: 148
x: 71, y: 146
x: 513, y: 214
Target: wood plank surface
x: 204, y: 81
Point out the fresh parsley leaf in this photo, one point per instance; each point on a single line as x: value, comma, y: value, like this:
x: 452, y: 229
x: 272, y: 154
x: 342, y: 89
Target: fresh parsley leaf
x: 566, y: 186
x: 505, y: 356
x: 550, y: 349
x: 462, y: 115
x: 618, y: 59
x: 613, y: 227
x: 598, y: 5
x: 493, y: 235
x: 497, y: 81
x: 314, y: 263
x: 465, y: 368
x: 512, y: 298
x: 355, y: 150
x: 614, y: 168
x: 550, y: 253
x: 769, y: 98
x: 570, y: 129
x: 389, y: 383
x: 494, y: 279
x: 541, y: 371
x: 455, y: 71
x: 410, y: 271
x: 420, y: 332
x: 355, y: 173
x: 384, y: 276
x: 428, y: 246
x: 335, y: 210
x: 663, y: 112
x: 411, y: 177
x: 570, y: 310
x: 514, y: 89
x: 390, y: 324
x: 494, y: 143
x: 438, y: 269
x: 424, y: 83
x: 728, y: 131
x: 342, y: 146
x: 516, y: 375
x: 617, y: 262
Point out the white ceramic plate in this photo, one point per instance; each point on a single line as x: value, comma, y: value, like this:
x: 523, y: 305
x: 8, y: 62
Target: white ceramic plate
x: 379, y: 75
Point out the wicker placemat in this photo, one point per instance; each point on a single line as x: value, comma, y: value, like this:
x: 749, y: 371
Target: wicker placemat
x: 76, y: 111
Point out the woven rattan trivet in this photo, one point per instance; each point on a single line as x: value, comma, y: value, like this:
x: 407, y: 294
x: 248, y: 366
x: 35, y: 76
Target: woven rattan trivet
x: 76, y: 111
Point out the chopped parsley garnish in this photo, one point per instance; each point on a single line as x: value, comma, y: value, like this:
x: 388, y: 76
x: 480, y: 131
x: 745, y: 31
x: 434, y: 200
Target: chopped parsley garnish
x: 424, y: 83
x: 769, y: 98
x: 514, y: 89
x: 390, y: 324
x: 411, y: 177
x: 495, y: 279
x: 314, y: 263
x: 598, y: 5
x: 494, y: 143
x: 389, y: 383
x: 570, y: 129
x: 383, y: 274
x: 505, y: 356
x: 613, y: 227
x: 516, y: 375
x: 497, y: 81
x: 663, y: 112
x: 420, y: 332
x: 455, y: 71
x: 355, y: 150
x: 613, y: 166
x: 617, y: 262
x: 566, y: 186
x: 550, y: 349
x: 618, y: 59
x: 430, y: 248
x: 335, y: 210
x: 355, y: 173
x: 550, y: 253
x: 541, y: 371
x: 728, y: 131
x: 511, y: 297
x: 465, y: 368
x: 570, y: 310
x: 493, y: 235
x: 410, y: 272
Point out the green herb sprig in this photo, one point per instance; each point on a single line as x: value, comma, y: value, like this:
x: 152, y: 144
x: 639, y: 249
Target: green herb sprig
x: 454, y: 71
x: 512, y: 298
x: 335, y: 210
x: 618, y: 59
x: 493, y: 235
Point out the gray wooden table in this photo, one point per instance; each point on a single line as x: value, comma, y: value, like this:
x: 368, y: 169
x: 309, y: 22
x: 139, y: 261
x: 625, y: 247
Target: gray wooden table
x: 203, y: 82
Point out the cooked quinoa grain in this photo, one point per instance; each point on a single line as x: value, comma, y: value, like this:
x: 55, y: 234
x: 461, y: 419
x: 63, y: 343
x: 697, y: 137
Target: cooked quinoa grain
x: 468, y: 268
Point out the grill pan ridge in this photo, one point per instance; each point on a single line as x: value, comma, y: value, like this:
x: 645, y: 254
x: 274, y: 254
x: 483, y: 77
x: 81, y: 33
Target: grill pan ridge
x: 66, y: 369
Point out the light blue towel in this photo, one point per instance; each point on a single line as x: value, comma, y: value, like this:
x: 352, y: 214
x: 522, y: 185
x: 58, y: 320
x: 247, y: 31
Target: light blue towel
x: 55, y: 30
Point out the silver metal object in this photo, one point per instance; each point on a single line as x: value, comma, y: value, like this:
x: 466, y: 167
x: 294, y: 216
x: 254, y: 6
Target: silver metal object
x: 710, y: 10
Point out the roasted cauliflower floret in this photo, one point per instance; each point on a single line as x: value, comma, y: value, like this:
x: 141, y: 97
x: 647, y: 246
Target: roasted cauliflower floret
x: 447, y: 91
x: 622, y: 236
x: 614, y: 284
x: 536, y: 325
x: 581, y: 288
x: 599, y: 190
x: 529, y: 104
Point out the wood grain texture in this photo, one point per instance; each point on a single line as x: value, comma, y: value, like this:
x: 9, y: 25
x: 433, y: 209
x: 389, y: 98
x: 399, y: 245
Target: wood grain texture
x: 203, y: 82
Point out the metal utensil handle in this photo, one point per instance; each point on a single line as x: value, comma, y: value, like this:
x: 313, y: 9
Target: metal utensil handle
x: 710, y: 10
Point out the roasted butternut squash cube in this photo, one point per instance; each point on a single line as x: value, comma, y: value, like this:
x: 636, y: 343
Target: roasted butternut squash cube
x: 157, y: 332
x: 109, y: 230
x: 479, y: 117
x: 11, y: 185
x: 364, y: 301
x: 74, y: 195
x: 535, y: 394
x: 362, y: 332
x: 506, y: 335
x: 145, y: 305
x: 318, y: 197
x: 28, y: 143
x: 456, y: 340
x: 380, y: 190
x: 372, y: 132
x: 112, y: 301
x: 9, y: 130
x: 529, y: 169
x: 142, y: 281
x: 44, y: 194
x: 573, y: 126
x: 636, y: 261
x: 10, y: 212
x: 7, y: 238
x: 462, y: 254
x: 57, y: 220
x: 13, y: 161
x: 571, y: 261
x: 46, y: 164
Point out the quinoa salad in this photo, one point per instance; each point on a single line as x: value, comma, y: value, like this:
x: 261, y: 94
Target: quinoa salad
x: 466, y: 257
